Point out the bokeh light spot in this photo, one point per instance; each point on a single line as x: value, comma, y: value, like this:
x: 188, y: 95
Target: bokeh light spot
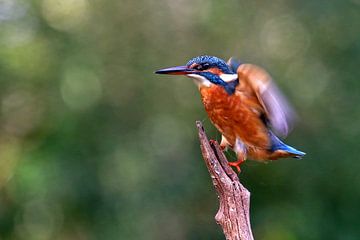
x: 18, y: 26
x: 12, y: 9
x: 66, y: 15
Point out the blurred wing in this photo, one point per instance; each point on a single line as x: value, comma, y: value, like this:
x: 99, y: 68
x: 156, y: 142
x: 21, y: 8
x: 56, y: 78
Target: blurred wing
x: 277, y: 109
x: 233, y: 63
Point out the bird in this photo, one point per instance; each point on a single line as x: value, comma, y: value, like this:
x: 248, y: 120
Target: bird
x: 245, y: 105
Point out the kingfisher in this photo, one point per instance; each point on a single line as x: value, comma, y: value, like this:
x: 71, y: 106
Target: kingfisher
x: 245, y: 105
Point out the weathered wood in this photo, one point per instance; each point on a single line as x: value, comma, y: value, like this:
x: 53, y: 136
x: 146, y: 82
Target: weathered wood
x: 233, y: 214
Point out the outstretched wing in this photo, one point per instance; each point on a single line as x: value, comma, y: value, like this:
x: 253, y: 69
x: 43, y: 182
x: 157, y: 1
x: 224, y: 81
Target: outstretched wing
x: 278, y: 111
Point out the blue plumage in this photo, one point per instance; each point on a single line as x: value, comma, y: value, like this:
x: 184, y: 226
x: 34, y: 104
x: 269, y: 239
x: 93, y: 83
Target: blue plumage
x: 213, y: 62
x: 277, y: 144
x: 210, y: 62
x: 228, y: 86
x: 252, y: 106
x: 231, y: 86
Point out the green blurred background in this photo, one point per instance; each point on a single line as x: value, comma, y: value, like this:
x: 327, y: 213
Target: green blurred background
x: 93, y: 145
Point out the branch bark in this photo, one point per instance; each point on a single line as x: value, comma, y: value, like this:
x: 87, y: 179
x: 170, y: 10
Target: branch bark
x: 233, y: 214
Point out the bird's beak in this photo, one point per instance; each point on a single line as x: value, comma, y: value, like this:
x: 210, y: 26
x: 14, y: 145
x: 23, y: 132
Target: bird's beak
x: 179, y: 70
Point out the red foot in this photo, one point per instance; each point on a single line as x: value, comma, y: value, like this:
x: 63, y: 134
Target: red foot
x: 237, y: 164
x: 212, y: 141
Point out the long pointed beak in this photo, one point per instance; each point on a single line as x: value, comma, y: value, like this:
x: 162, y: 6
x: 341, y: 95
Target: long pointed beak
x: 179, y: 70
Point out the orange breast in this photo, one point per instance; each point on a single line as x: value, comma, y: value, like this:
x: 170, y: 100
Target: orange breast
x: 236, y: 116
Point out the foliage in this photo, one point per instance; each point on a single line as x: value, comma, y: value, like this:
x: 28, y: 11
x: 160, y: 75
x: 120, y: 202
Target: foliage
x: 93, y: 145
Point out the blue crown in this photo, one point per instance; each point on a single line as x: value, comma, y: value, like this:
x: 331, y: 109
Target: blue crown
x: 213, y: 62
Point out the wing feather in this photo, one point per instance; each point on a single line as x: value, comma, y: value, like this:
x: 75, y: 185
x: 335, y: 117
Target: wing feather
x: 277, y: 109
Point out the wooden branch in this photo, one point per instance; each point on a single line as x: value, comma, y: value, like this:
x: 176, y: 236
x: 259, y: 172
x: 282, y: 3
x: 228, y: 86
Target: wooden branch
x: 233, y: 214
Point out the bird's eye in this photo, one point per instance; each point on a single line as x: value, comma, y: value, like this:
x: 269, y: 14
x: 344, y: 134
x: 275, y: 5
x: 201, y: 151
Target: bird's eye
x: 198, y: 67
x: 202, y: 67
x: 205, y: 66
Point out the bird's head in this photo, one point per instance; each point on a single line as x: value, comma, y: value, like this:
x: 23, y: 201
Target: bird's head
x: 206, y: 71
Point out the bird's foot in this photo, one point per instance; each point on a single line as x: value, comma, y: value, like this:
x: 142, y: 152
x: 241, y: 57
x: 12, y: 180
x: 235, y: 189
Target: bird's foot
x: 212, y: 141
x: 223, y: 147
x: 237, y: 164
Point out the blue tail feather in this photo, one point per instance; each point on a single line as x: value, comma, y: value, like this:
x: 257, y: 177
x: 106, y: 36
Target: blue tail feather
x: 277, y: 144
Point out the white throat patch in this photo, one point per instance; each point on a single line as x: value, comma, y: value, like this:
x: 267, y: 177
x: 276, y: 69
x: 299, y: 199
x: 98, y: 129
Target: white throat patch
x: 200, y: 80
x: 228, y: 77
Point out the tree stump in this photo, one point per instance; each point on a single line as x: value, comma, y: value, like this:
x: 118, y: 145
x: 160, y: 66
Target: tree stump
x: 233, y: 214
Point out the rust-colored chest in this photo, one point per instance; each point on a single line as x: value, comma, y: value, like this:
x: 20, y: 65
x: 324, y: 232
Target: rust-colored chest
x: 236, y: 115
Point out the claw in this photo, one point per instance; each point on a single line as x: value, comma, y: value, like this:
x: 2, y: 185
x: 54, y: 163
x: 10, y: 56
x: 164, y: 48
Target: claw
x: 212, y: 141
